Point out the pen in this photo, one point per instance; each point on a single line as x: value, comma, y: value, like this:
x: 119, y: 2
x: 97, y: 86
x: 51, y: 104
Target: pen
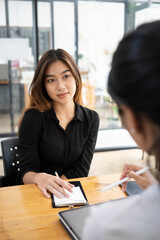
x: 124, y: 179
x: 56, y: 174
x: 59, y: 177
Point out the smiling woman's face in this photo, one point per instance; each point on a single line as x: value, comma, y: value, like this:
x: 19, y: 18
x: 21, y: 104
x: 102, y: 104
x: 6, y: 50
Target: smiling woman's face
x: 60, y: 83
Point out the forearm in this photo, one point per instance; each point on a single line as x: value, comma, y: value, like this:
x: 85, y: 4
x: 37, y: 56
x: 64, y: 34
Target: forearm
x: 30, y: 177
x: 80, y: 168
x: 28, y: 147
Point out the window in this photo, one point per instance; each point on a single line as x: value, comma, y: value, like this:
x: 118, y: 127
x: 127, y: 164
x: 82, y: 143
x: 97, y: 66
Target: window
x: 64, y: 30
x: 88, y: 30
x: 14, y: 71
x: 101, y: 26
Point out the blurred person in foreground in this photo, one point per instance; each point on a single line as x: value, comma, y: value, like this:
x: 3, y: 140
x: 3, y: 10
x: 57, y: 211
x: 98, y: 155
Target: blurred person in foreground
x: 134, y: 84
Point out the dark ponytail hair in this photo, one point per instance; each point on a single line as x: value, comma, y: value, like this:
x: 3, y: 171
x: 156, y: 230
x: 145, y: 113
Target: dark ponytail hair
x: 134, y: 78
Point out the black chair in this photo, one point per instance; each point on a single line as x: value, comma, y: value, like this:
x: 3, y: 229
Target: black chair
x: 10, y: 161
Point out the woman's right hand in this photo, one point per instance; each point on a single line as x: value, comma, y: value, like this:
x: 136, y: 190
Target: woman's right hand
x: 49, y: 183
x: 144, y: 180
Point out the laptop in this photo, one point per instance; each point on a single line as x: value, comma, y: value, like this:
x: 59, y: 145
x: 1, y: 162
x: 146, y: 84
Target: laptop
x: 73, y: 220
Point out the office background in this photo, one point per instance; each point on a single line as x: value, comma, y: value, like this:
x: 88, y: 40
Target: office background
x: 88, y: 30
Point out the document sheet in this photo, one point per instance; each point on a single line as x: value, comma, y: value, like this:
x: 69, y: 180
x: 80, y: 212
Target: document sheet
x: 76, y: 198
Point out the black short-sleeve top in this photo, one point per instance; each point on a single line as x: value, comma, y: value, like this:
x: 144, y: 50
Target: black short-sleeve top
x: 44, y: 146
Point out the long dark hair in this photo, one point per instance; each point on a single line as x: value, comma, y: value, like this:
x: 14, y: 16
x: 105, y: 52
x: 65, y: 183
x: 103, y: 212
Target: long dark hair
x: 134, y: 78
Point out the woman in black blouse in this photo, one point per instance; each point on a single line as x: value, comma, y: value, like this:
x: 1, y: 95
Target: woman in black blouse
x: 56, y: 133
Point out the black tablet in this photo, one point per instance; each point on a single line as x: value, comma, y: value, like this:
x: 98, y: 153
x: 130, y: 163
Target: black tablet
x: 73, y: 220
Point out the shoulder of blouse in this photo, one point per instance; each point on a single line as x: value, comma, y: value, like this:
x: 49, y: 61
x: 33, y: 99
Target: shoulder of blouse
x: 34, y: 113
x: 32, y: 121
x: 89, y: 113
x: 33, y: 117
x: 33, y: 110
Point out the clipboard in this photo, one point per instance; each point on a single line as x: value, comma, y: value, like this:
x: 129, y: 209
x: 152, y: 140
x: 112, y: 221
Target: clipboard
x: 76, y: 184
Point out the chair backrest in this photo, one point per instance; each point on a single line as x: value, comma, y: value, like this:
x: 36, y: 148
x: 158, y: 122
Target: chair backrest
x: 10, y: 159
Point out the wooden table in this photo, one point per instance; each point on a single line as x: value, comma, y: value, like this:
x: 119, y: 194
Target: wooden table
x: 26, y: 214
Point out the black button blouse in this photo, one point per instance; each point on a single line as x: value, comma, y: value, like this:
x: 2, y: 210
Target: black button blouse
x: 44, y: 146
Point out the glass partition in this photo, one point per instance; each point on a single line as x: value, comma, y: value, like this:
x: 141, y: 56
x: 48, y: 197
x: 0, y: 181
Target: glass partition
x: 88, y: 30
x: 152, y: 13
x: 101, y: 26
x: 14, y: 69
x: 44, y: 27
x: 64, y: 32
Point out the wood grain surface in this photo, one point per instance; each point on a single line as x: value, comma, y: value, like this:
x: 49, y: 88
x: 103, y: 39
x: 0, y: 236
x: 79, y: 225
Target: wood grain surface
x: 26, y: 214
